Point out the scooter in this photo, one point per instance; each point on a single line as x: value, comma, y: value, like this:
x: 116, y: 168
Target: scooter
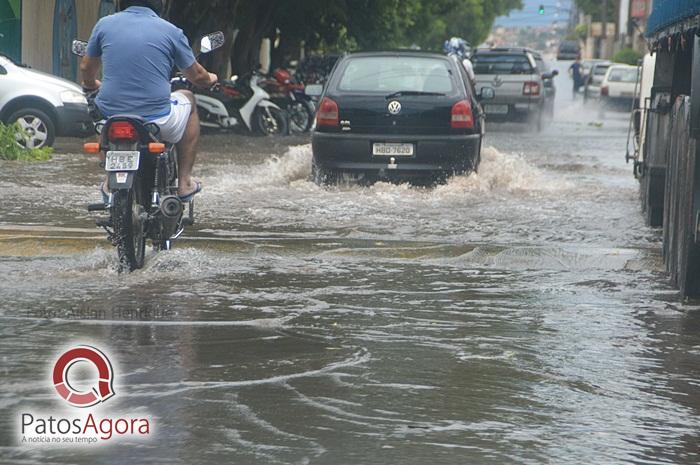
x: 240, y: 103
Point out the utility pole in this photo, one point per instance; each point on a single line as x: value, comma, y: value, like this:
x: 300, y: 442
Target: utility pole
x: 604, y: 21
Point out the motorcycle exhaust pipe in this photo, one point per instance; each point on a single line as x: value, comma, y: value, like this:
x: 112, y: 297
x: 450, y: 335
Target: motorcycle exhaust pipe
x: 171, y: 208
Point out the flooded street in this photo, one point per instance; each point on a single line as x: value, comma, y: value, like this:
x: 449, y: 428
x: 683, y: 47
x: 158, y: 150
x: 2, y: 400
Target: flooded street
x: 518, y: 315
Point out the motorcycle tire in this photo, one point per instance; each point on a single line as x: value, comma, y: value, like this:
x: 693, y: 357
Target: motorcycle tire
x: 301, y: 117
x: 270, y: 121
x: 129, y: 229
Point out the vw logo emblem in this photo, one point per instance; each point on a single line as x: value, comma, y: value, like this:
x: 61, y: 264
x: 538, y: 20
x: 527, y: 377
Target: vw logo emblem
x: 498, y: 81
x: 395, y: 107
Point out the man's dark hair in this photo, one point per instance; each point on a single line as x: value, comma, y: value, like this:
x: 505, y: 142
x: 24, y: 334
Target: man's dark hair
x: 155, y: 5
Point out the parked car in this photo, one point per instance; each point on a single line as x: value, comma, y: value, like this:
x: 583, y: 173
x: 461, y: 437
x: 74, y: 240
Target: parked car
x: 45, y: 106
x: 517, y: 81
x: 594, y: 79
x: 618, y: 86
x: 397, y: 115
x: 569, y: 50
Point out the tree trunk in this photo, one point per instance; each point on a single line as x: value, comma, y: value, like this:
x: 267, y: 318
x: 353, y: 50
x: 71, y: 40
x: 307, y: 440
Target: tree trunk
x: 255, y: 24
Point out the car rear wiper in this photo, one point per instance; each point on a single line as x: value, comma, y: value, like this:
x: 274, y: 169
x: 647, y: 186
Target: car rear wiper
x: 402, y: 93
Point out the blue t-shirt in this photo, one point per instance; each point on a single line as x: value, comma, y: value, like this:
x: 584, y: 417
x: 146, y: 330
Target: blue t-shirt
x: 139, y: 51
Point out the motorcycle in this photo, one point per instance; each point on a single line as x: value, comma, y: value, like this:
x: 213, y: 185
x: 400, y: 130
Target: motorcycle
x: 142, y: 178
x: 239, y: 102
x: 291, y: 95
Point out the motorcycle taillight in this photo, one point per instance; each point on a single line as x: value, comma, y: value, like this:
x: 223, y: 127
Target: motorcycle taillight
x: 123, y: 130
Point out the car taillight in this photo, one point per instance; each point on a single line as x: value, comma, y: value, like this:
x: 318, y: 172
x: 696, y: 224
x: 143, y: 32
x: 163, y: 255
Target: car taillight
x: 328, y: 113
x: 605, y: 91
x: 462, y: 115
x: 123, y: 130
x: 531, y: 88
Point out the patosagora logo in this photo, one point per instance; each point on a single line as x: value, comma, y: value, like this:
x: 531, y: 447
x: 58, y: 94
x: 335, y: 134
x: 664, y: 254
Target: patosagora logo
x: 103, y: 389
x: 58, y: 428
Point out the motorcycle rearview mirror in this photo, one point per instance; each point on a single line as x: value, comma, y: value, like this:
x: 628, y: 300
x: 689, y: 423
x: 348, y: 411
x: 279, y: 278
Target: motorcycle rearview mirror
x: 314, y: 90
x: 79, y: 48
x: 212, y: 41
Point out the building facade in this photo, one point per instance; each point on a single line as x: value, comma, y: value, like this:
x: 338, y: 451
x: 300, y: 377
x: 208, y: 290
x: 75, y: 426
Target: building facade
x: 39, y: 33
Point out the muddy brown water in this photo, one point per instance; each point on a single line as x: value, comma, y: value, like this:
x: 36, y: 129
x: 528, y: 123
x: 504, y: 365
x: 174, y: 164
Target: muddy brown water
x: 519, y: 315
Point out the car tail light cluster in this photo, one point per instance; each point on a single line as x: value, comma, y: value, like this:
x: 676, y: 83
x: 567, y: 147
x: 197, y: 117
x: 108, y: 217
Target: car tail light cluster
x: 123, y: 130
x: 462, y: 115
x: 605, y: 91
x: 531, y: 88
x: 328, y: 113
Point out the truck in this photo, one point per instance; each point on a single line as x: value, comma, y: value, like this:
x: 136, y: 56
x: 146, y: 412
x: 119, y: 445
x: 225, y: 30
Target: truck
x: 667, y: 148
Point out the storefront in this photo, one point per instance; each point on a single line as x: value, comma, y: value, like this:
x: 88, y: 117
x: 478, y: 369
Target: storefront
x: 48, y: 27
x: 11, y: 28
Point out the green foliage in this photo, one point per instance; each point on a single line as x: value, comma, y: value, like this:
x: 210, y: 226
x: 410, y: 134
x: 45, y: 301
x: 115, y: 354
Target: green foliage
x: 11, y: 150
x: 581, y: 31
x: 627, y: 56
x: 385, y: 24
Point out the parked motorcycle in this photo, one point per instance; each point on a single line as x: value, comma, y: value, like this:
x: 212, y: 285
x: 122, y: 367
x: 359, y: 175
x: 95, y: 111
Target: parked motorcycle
x: 142, y: 178
x: 289, y: 94
x: 239, y: 103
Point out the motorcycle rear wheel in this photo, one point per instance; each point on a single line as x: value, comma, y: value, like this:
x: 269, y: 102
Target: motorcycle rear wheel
x: 129, y: 229
x: 270, y: 121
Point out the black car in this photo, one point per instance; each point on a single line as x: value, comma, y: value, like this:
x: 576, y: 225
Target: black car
x: 569, y: 50
x: 397, y: 115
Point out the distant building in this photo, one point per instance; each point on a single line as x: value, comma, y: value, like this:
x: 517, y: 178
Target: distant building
x: 39, y: 32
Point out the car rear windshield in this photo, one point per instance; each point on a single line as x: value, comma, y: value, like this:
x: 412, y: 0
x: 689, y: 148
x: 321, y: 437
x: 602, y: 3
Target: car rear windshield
x: 600, y: 70
x: 502, y: 64
x: 397, y: 73
x: 623, y: 75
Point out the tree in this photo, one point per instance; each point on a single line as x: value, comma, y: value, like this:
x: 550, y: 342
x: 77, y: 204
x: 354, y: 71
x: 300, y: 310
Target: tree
x: 328, y: 25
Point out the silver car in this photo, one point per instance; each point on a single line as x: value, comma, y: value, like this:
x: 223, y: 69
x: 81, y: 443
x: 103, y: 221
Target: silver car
x: 514, y: 75
x: 45, y: 106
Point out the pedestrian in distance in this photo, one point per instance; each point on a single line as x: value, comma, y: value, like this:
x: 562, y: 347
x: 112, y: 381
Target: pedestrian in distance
x: 576, y: 72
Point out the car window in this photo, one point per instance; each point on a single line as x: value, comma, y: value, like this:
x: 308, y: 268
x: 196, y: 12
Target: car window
x: 502, y: 64
x: 623, y: 75
x: 2, y: 70
x: 600, y: 70
x: 393, y: 74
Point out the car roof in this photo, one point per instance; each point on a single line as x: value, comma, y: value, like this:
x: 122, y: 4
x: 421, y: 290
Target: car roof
x: 622, y: 66
x: 386, y: 53
x: 496, y: 50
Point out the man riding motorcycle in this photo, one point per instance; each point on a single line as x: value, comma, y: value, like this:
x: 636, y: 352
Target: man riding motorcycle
x: 461, y: 49
x: 138, y: 51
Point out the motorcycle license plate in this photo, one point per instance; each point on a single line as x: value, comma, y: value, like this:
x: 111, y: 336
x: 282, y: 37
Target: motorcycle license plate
x: 401, y: 150
x: 122, y: 161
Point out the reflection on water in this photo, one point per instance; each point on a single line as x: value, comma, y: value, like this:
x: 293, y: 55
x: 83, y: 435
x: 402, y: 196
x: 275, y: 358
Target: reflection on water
x: 518, y: 315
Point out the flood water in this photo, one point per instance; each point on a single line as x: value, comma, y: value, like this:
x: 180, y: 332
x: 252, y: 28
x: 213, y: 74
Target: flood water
x: 519, y: 315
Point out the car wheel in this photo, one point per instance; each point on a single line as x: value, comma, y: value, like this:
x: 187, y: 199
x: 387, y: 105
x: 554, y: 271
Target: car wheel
x: 39, y: 129
x: 323, y: 176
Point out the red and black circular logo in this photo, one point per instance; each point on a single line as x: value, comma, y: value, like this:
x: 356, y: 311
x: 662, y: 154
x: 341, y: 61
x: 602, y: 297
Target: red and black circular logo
x: 100, y: 392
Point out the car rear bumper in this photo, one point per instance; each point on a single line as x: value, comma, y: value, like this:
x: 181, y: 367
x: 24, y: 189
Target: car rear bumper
x: 614, y: 101
x: 353, y: 152
x: 74, y: 121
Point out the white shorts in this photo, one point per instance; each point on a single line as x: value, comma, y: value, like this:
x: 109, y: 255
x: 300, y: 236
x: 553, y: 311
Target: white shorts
x: 172, y: 127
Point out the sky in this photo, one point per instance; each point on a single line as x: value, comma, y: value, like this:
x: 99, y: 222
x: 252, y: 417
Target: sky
x: 529, y: 15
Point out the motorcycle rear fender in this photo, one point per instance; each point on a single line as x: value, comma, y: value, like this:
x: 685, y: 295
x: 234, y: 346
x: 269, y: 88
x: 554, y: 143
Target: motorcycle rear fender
x: 114, y: 185
x: 267, y: 103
